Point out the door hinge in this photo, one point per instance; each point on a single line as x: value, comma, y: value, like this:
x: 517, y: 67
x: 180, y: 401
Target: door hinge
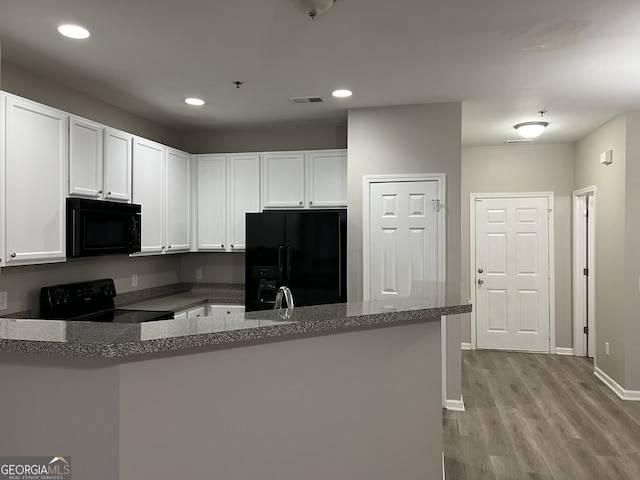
x: 585, y: 272
x: 586, y: 330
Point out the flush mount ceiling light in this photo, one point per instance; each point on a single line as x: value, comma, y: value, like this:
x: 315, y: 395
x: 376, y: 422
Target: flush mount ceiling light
x: 194, y: 101
x: 342, y: 93
x: 313, y: 8
x: 532, y: 129
x: 74, y: 31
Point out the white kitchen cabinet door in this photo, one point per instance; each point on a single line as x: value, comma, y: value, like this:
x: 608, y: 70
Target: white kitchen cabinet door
x: 327, y: 178
x: 283, y: 180
x: 178, y: 199
x: 117, y: 165
x: 34, y: 166
x: 85, y: 158
x: 148, y: 191
x: 243, y: 196
x: 211, y: 203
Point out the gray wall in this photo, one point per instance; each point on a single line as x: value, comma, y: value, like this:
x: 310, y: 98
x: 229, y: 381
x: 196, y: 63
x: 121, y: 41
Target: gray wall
x: 403, y: 140
x: 292, y: 136
x: 22, y: 284
x: 525, y: 168
x: 632, y: 252
x: 610, y: 238
x: 26, y: 84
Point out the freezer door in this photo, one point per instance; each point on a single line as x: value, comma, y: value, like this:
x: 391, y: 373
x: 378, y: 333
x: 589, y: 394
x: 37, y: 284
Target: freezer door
x: 264, y: 259
x: 313, y: 257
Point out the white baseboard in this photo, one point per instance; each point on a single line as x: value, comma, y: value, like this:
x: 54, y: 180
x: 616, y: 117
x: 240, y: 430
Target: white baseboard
x: 466, y: 346
x: 564, y: 351
x: 616, y: 387
x: 454, y: 405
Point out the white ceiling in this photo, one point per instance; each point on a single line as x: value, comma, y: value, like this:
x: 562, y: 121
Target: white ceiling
x: 503, y: 59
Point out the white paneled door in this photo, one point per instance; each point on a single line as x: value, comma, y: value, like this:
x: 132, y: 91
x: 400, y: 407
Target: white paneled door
x: 512, y: 273
x: 404, y: 236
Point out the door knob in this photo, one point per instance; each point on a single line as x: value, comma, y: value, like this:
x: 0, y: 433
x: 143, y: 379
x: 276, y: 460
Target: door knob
x: 480, y: 281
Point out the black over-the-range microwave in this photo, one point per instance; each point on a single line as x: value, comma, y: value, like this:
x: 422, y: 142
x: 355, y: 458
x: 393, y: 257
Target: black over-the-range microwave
x: 96, y: 227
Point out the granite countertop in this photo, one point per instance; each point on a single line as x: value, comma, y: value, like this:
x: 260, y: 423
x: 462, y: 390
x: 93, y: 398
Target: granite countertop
x: 428, y: 301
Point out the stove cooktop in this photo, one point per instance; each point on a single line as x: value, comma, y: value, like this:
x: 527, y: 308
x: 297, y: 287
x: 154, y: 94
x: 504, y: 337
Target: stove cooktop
x: 124, y: 316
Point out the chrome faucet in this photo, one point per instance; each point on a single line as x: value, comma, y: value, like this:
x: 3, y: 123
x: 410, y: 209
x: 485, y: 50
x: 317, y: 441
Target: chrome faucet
x: 288, y: 296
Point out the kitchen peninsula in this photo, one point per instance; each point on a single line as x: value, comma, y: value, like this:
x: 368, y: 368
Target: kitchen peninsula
x: 334, y: 391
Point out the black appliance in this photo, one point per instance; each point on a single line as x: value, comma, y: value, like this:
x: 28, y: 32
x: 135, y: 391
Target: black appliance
x: 91, y: 301
x: 304, y: 250
x: 96, y: 227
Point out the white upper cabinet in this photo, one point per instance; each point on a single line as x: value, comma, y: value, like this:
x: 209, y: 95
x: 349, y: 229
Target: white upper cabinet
x: 148, y: 191
x: 85, y: 158
x: 117, y: 165
x: 310, y: 179
x: 243, y: 196
x: 177, y: 198
x: 283, y: 176
x: 33, y: 164
x: 228, y: 186
x: 161, y: 184
x: 99, y: 161
x: 211, y: 203
x: 327, y: 178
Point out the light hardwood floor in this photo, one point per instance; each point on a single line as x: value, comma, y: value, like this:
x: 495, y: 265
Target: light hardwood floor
x: 531, y: 416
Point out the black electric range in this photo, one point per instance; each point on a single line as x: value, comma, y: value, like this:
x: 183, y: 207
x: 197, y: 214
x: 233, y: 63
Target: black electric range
x: 91, y: 301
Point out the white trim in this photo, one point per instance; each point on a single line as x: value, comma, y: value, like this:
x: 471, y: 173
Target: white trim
x: 551, y: 267
x: 440, y: 179
x: 624, y: 394
x: 455, y: 405
x: 579, y: 290
x: 443, y: 362
x: 466, y: 346
x: 564, y: 351
x: 367, y: 180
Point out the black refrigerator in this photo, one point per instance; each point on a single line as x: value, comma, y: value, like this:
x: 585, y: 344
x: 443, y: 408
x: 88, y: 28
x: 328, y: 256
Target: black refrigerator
x: 305, y: 250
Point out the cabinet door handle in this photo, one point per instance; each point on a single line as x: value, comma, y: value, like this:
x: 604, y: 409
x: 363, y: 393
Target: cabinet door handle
x: 99, y: 192
x: 222, y: 246
x: 231, y: 245
x: 13, y: 255
x: 300, y: 202
x: 109, y: 193
x: 310, y: 202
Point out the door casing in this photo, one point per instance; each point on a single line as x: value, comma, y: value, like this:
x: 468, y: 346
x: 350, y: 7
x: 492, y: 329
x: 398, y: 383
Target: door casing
x: 472, y: 259
x: 367, y: 180
x: 580, y: 294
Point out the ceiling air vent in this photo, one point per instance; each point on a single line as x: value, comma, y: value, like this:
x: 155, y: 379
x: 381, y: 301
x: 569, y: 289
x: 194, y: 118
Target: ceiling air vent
x: 518, y: 140
x: 307, y: 100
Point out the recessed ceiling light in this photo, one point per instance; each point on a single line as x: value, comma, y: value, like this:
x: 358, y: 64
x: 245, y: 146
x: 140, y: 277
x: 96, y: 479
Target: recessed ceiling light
x: 74, y: 31
x: 342, y: 93
x: 194, y: 101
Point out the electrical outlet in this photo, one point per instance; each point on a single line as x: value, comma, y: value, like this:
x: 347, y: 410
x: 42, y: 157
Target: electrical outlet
x: 198, y: 273
x: 3, y: 300
x: 606, y: 348
x: 134, y: 280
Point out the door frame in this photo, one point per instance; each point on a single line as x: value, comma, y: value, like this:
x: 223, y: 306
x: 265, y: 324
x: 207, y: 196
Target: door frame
x: 440, y: 178
x: 551, y: 267
x: 579, y: 290
x: 367, y: 180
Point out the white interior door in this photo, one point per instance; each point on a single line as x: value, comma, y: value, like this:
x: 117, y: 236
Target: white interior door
x: 512, y: 273
x: 404, y: 237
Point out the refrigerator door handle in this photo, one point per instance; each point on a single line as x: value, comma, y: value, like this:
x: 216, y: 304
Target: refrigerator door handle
x: 289, y: 250
x: 280, y: 259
